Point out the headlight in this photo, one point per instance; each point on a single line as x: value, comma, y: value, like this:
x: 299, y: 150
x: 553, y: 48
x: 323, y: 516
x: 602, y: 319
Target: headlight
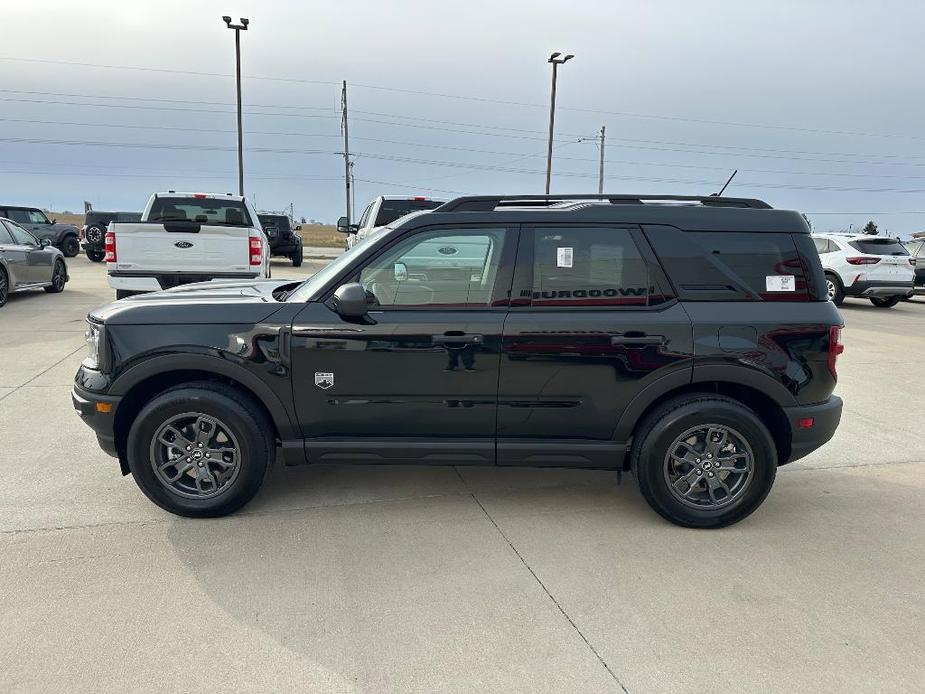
x: 93, y: 337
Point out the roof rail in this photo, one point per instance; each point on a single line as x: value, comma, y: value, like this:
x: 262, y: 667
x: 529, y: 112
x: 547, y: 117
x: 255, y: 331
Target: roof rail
x: 488, y: 203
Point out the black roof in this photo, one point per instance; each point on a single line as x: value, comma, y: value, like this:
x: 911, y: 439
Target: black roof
x: 693, y: 213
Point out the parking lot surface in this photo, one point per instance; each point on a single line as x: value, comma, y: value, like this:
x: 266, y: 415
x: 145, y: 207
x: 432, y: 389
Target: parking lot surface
x: 373, y: 579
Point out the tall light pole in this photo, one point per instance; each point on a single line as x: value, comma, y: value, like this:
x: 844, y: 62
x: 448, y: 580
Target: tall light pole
x: 556, y: 59
x: 238, y: 28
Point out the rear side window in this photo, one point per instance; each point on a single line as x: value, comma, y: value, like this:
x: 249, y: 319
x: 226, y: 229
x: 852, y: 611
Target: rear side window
x: 21, y: 216
x: 875, y: 246
x: 5, y: 236
x: 590, y: 266
x: 203, y: 210
x: 390, y: 210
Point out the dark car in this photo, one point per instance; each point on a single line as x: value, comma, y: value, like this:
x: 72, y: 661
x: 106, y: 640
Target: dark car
x: 916, y: 248
x: 282, y: 239
x: 63, y: 236
x: 691, y: 343
x: 93, y: 233
x: 28, y: 263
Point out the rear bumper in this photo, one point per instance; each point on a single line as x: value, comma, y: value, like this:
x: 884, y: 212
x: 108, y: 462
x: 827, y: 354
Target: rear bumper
x: 867, y: 288
x: 102, y: 423
x: 825, y: 418
x: 138, y: 282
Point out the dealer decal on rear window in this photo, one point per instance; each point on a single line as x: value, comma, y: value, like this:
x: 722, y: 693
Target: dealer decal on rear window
x: 780, y: 283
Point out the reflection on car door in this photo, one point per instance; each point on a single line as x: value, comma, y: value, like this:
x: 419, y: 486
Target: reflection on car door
x: 591, y: 326
x: 418, y: 380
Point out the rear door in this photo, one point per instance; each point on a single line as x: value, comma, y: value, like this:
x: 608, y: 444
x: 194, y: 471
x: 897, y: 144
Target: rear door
x: 591, y: 326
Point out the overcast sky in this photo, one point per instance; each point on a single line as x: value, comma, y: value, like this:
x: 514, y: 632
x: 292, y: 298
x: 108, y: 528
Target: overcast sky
x: 819, y: 104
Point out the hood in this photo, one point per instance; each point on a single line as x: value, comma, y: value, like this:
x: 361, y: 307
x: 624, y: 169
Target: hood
x: 216, y: 302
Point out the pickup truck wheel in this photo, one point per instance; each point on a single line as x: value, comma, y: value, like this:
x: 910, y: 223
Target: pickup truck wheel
x: 704, y: 461
x: 58, y: 278
x: 200, y: 450
x: 297, y: 257
x: 885, y: 302
x: 70, y: 246
x: 95, y: 256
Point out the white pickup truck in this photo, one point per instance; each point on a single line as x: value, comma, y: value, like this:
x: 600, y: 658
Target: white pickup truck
x: 184, y: 238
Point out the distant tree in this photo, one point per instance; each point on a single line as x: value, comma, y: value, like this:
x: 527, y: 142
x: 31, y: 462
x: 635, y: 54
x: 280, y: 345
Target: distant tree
x: 870, y: 228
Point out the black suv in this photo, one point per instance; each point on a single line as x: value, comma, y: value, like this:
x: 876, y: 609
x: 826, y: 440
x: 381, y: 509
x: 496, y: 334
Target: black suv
x: 283, y: 240
x: 32, y: 219
x: 93, y: 232
x: 686, y: 339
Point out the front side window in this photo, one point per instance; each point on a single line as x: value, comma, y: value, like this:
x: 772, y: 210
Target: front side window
x: 213, y: 211
x: 365, y: 216
x: 392, y: 210
x: 38, y: 217
x: 20, y: 235
x: 591, y: 266
x: 450, y: 268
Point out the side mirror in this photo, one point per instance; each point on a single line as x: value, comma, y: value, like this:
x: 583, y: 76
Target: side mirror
x: 350, y: 300
x: 345, y: 228
x: 54, y: 221
x: 400, y: 272
x: 45, y: 243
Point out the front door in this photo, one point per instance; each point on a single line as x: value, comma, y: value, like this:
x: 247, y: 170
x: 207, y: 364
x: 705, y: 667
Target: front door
x: 592, y: 327
x: 33, y: 264
x: 417, y: 381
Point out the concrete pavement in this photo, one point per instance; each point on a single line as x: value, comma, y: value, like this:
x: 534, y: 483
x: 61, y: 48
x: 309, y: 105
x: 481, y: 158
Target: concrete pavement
x: 373, y: 579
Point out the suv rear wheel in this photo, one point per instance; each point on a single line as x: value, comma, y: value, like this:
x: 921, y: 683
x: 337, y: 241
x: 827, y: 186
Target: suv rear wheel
x: 704, y: 461
x: 885, y: 302
x: 200, y: 450
x: 834, y: 289
x: 70, y: 246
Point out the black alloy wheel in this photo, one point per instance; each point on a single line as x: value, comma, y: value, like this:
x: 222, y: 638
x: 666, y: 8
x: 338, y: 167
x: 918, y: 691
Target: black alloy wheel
x: 58, y: 278
x: 70, y: 246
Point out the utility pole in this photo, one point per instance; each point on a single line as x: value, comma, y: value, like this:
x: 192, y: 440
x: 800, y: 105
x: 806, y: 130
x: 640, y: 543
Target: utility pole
x: 238, y: 28
x: 353, y: 193
x: 556, y: 59
x: 347, y: 165
x: 600, y: 176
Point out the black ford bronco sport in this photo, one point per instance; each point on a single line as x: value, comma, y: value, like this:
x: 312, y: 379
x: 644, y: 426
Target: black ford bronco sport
x: 686, y: 339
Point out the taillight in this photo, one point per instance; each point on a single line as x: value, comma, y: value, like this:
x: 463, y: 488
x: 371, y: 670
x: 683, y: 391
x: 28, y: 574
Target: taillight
x: 862, y: 260
x: 835, y: 348
x: 256, y: 250
x: 110, y: 256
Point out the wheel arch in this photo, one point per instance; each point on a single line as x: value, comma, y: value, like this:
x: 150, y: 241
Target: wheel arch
x: 768, y: 408
x: 149, y: 378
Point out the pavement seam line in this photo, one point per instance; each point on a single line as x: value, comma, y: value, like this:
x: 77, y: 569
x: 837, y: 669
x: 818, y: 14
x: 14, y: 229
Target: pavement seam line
x: 551, y: 596
x: 42, y: 373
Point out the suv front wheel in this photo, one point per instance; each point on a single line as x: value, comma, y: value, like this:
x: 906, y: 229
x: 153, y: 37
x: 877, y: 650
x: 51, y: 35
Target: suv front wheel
x: 200, y: 450
x: 704, y: 461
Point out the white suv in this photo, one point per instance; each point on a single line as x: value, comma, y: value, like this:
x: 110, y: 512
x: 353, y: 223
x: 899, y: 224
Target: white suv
x: 382, y: 211
x: 869, y: 267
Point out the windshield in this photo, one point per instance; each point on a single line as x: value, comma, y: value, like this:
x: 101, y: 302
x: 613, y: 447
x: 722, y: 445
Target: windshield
x: 313, y: 284
x: 392, y: 210
x: 203, y: 210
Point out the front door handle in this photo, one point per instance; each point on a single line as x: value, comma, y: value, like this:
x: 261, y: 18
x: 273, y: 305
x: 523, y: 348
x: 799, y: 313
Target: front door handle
x: 455, y: 337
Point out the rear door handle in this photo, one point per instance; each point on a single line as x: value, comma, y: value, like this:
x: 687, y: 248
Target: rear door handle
x: 638, y: 340
x: 457, y: 338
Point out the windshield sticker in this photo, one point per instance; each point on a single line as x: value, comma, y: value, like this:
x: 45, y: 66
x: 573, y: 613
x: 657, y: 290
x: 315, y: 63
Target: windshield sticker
x: 780, y: 283
x: 564, y: 257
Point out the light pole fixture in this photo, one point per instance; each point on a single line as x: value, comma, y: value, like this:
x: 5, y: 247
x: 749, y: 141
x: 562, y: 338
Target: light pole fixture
x: 238, y: 28
x: 556, y: 59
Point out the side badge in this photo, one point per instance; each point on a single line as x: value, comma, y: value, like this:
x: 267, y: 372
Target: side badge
x: 324, y: 380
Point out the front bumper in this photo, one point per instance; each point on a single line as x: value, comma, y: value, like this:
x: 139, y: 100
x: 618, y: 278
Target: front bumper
x: 89, y: 406
x: 879, y: 288
x: 825, y: 416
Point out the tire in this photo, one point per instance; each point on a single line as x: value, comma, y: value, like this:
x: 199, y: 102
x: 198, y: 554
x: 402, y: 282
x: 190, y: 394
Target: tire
x: 714, y: 415
x: 70, y: 246
x: 236, y: 423
x: 95, y: 256
x: 888, y: 302
x: 4, y: 287
x: 58, y: 278
x: 95, y: 233
x: 835, y: 289
x: 297, y: 257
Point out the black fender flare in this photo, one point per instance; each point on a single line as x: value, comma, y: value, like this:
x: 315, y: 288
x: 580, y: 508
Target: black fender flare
x: 155, y: 365
x: 707, y: 373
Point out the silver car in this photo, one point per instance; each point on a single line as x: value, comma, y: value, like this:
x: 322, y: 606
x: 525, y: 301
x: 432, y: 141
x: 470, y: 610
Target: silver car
x: 27, y: 263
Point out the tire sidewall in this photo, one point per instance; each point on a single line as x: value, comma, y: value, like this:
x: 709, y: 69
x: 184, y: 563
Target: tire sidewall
x: 255, y: 451
x: 651, y: 459
x: 839, y: 289
x: 95, y: 256
x: 53, y: 288
x: 70, y: 246
x: 6, y: 294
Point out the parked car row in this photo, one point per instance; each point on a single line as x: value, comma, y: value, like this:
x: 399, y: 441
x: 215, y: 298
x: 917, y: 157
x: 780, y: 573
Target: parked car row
x: 65, y: 237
